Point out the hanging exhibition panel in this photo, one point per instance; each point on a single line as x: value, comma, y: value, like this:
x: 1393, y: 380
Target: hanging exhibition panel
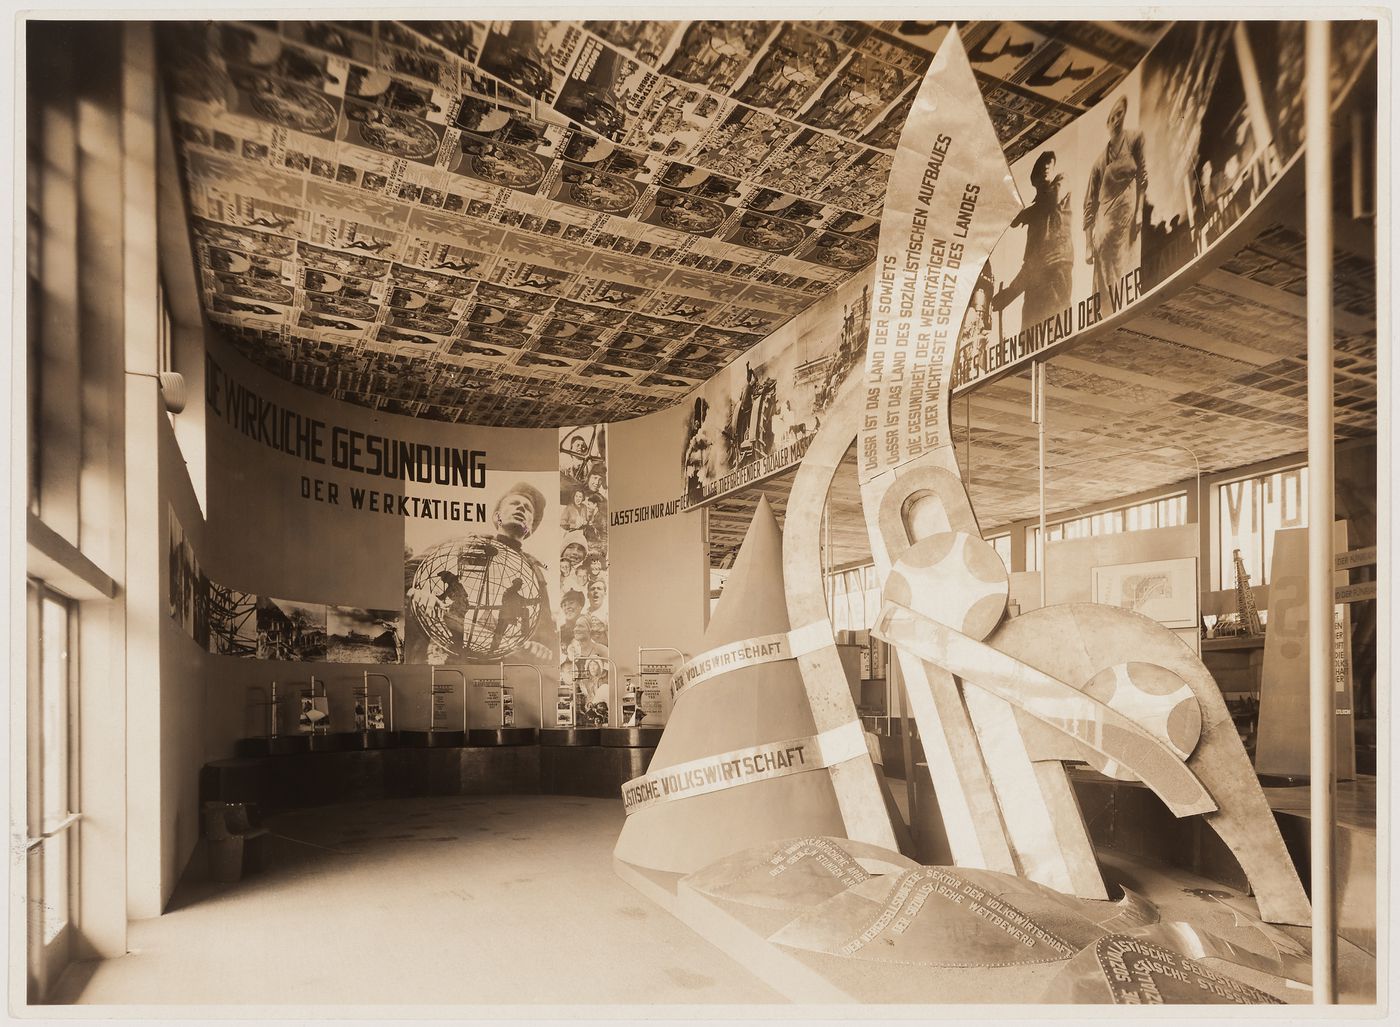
x: 756, y: 417
x: 1130, y: 194
x: 481, y: 593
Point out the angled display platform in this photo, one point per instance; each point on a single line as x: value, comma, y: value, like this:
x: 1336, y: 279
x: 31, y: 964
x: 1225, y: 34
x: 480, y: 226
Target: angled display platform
x: 1008, y: 940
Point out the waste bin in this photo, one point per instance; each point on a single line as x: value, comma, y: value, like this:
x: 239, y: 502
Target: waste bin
x: 235, y: 844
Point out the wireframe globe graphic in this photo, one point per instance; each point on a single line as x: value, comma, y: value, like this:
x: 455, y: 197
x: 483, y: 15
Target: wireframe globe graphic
x: 476, y: 597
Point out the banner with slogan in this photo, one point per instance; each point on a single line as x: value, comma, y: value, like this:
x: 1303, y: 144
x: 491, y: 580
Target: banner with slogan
x: 756, y: 417
x: 749, y: 652
x: 744, y: 766
x: 950, y: 197
x: 1126, y: 196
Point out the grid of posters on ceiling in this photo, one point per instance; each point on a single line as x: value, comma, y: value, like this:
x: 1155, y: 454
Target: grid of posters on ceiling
x: 1125, y: 197
x: 558, y: 223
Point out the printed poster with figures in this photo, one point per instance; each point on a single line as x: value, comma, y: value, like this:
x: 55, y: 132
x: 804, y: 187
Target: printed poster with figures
x: 756, y: 417
x: 477, y: 572
x: 1150, y: 177
x: 582, y: 614
x: 1164, y: 590
x: 369, y: 713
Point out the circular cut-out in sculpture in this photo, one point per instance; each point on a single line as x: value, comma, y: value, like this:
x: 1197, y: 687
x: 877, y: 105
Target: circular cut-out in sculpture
x: 955, y: 578
x: 1154, y: 698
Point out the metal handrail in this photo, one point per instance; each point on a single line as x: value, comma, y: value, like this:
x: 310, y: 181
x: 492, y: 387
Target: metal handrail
x: 615, y: 699
x: 273, y: 705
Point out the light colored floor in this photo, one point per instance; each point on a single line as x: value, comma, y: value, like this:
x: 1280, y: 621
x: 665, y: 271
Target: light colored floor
x: 452, y: 901
x: 460, y: 906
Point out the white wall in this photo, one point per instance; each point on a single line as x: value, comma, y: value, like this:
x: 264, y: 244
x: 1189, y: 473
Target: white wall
x: 659, y: 559
x: 1070, y: 563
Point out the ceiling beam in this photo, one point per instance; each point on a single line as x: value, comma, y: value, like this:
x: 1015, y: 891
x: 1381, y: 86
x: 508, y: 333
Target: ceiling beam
x: 1280, y: 300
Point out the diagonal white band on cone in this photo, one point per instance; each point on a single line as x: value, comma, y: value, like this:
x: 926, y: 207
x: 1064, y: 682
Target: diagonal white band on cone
x: 748, y: 652
x: 745, y: 766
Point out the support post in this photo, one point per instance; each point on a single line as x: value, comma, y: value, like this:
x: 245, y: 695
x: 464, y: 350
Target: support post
x: 967, y: 439
x: 1320, y: 509
x: 1038, y: 416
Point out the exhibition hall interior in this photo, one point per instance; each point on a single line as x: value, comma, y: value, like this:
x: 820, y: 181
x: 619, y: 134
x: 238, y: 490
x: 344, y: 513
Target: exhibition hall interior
x: 676, y: 517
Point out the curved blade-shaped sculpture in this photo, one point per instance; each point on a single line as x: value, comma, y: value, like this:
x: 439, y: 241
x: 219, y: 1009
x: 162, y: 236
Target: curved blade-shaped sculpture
x: 1000, y: 706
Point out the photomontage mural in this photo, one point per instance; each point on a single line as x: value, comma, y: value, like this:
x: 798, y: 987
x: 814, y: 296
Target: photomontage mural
x: 585, y: 669
x: 551, y: 222
x: 1121, y: 200
x: 755, y: 417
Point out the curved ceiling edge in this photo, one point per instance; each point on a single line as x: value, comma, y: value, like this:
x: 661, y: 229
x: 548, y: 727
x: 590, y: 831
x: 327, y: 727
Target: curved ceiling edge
x: 1148, y: 192
x: 544, y: 223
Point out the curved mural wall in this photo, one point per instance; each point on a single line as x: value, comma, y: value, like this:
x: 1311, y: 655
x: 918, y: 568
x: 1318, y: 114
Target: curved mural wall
x: 1117, y: 205
x: 339, y: 536
x: 341, y: 541
x: 1120, y: 202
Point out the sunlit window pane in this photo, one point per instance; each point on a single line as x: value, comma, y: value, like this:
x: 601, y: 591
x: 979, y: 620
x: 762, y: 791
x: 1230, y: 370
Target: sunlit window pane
x: 54, y: 670
x: 1252, y: 510
x: 1155, y: 513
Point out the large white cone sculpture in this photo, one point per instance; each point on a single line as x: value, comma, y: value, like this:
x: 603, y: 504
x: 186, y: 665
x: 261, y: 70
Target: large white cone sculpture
x: 738, y: 709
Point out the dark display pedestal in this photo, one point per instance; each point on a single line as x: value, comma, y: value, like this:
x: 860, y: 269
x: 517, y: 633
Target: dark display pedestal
x: 251, y: 747
x: 432, y: 739
x: 361, y: 740
x: 643, y: 737
x: 570, y: 736
x: 284, y: 745
x: 502, y: 736
x: 332, y: 743
x: 598, y: 771
x: 299, y: 780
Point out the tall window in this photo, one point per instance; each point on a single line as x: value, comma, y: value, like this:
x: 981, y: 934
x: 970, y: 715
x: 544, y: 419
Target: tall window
x: 1002, y: 544
x: 853, y: 598
x: 50, y: 800
x: 1252, y: 510
x: 1167, y: 512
